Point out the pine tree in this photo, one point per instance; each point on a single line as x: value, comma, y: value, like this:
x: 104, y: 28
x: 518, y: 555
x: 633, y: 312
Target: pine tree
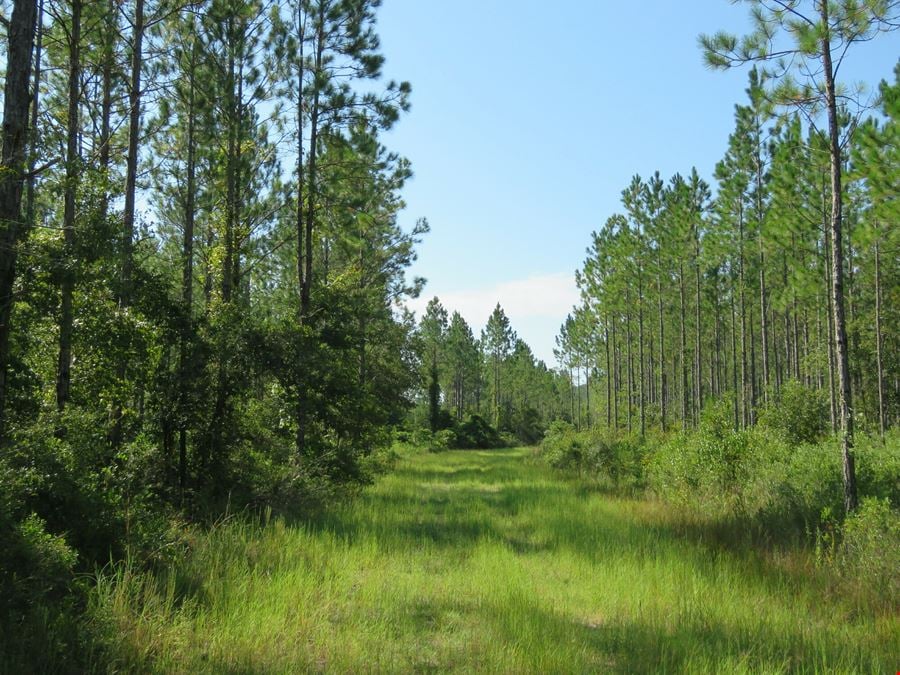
x: 818, y: 29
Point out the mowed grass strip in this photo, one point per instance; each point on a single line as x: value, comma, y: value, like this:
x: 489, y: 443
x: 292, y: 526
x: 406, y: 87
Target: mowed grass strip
x: 484, y: 561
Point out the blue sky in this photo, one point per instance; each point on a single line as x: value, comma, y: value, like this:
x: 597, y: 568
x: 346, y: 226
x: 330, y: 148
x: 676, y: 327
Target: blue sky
x: 530, y: 117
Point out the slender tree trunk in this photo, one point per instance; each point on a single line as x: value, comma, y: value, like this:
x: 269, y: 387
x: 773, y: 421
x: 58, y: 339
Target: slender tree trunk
x: 109, y: 55
x: 698, y: 357
x: 187, y: 274
x: 641, y: 347
x: 837, y: 276
x: 629, y: 373
x: 230, y: 169
x: 788, y: 365
x: 763, y: 323
x: 578, y: 395
x: 745, y: 386
x: 608, y: 379
x: 878, y: 356
x: 301, y: 73
x: 763, y: 305
x: 776, y: 356
x: 237, y: 209
x: 232, y: 105
x: 830, y: 334
x: 662, y: 346
x: 587, y: 395
x: 651, y: 369
x: 30, y: 184
x: 734, y: 368
x: 717, y: 354
x: 301, y: 250
x: 616, y: 378
x: 684, y: 382
x: 754, y: 387
x: 16, y: 102
x: 312, y: 177
x: 134, y: 130
x: 73, y: 170
x: 820, y: 379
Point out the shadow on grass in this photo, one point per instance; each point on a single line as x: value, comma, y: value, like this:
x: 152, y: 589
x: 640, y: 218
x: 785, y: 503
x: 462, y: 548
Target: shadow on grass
x: 472, y: 500
x: 544, y: 641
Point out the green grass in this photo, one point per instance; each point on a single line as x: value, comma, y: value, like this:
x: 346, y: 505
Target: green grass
x: 486, y: 561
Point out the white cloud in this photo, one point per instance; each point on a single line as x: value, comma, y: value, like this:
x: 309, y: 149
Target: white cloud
x: 536, y: 306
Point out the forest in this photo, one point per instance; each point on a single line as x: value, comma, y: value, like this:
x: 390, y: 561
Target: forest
x: 210, y: 377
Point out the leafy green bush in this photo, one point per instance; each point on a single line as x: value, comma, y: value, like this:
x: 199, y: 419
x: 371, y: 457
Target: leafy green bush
x: 619, y: 459
x: 562, y: 447
x: 798, y: 413
x: 616, y: 459
x: 809, y: 485
x: 717, y: 470
x: 526, y: 425
x: 870, y: 550
x: 759, y: 473
x: 442, y: 440
x: 878, y: 465
x: 475, y: 432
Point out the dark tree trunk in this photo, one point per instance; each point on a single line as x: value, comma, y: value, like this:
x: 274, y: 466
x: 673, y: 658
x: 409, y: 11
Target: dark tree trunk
x: 734, y: 367
x: 187, y: 274
x: 109, y: 55
x: 662, y: 347
x: 837, y: 275
x: 616, y: 379
x: 73, y: 170
x: 829, y: 323
x: 747, y: 402
x: 16, y: 102
x: 698, y: 356
x: 629, y: 373
x: 608, y: 379
x: 305, y: 294
x: 684, y: 380
x: 134, y: 131
x: 878, y: 347
x: 641, y: 347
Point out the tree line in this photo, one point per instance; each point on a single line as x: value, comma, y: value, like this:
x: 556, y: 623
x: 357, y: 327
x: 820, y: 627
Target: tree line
x: 788, y: 272
x: 202, y: 273
x: 494, y: 377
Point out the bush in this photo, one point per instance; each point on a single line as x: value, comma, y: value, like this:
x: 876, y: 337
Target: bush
x: 878, y: 465
x: 620, y: 460
x: 526, y: 426
x: 809, y: 484
x: 476, y: 433
x: 442, y: 440
x: 562, y: 447
x: 870, y: 550
x: 616, y: 459
x: 799, y: 414
x: 719, y: 471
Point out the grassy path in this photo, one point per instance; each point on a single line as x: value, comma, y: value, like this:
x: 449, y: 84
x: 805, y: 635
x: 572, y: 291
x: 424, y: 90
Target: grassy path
x: 486, y: 561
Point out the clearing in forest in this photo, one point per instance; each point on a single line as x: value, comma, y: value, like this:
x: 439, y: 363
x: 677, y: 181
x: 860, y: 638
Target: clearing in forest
x: 488, y: 561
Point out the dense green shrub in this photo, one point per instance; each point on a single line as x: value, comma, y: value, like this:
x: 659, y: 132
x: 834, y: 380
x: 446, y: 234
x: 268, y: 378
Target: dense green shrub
x: 759, y: 473
x: 475, y: 432
x: 870, y: 550
x: 798, y: 413
x: 526, y: 425
x: 616, y: 459
x: 442, y: 440
x: 562, y: 447
x: 878, y: 465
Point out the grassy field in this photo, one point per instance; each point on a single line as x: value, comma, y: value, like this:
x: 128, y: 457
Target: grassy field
x: 487, y: 561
